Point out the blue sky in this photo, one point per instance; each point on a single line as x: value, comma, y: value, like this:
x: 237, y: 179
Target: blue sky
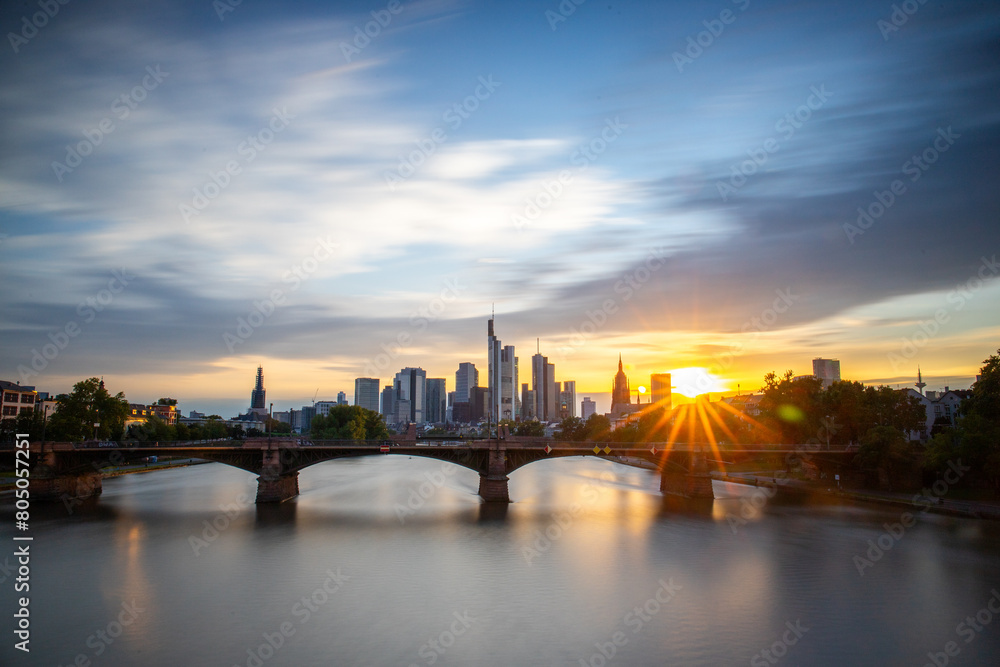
x: 833, y: 105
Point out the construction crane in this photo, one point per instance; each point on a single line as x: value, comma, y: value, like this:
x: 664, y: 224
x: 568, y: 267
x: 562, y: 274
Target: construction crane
x: 315, y: 395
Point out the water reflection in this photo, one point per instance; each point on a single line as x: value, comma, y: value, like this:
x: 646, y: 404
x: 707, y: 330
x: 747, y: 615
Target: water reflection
x: 583, y: 544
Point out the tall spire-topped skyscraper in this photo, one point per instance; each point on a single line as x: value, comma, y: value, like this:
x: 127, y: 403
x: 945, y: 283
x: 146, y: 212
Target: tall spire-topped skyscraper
x: 501, y: 377
x: 257, y: 395
x: 919, y: 384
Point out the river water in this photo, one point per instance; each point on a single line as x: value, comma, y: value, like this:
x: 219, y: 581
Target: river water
x: 395, y: 561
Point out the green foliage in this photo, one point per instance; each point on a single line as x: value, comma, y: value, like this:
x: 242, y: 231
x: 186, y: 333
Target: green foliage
x: 77, y: 412
x: 532, y: 428
x: 153, y: 429
x: 975, y: 440
x: 348, y: 422
x: 167, y: 401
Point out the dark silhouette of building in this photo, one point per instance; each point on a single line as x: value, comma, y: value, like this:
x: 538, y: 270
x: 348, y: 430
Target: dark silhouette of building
x: 257, y: 403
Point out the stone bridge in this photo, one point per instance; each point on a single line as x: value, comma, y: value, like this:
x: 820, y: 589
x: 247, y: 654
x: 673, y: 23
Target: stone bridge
x: 63, y: 471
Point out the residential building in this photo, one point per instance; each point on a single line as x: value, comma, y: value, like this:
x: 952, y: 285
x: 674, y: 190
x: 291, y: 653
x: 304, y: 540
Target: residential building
x: 16, y: 399
x: 322, y: 408
x: 827, y: 370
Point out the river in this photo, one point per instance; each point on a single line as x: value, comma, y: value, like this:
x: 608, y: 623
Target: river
x: 392, y: 560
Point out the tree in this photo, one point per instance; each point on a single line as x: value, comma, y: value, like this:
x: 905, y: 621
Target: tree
x: 570, y: 428
x: 348, y: 422
x: 885, y: 449
x: 529, y: 429
x: 89, y: 403
x: 167, y: 401
x: 791, y: 407
x: 975, y: 440
x: 153, y: 429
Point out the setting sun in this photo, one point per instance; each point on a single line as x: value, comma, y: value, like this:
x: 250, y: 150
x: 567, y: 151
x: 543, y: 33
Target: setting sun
x: 695, y: 380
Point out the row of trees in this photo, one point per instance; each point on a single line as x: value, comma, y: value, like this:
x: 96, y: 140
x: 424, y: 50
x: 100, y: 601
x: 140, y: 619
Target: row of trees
x: 975, y: 439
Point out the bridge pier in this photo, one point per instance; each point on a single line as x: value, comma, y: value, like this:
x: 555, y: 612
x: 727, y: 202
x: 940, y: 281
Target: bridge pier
x: 695, y: 483
x: 274, y: 484
x: 493, y: 485
x: 48, y: 484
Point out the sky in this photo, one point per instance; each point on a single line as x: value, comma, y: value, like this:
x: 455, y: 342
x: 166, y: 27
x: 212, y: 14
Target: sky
x: 336, y: 190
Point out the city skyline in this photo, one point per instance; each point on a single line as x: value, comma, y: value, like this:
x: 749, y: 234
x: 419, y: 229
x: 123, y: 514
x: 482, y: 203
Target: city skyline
x: 613, y: 187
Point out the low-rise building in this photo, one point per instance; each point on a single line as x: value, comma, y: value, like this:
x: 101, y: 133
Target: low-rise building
x: 15, y: 399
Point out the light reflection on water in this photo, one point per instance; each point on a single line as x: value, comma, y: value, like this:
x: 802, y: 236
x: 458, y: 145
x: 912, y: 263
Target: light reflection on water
x: 548, y: 580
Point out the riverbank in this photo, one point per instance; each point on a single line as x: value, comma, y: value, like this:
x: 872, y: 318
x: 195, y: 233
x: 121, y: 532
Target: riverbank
x: 934, y: 504
x: 7, y: 482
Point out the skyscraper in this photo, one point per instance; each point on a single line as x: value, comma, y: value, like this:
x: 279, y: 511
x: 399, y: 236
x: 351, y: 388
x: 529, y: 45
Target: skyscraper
x: 660, y: 389
x: 567, y: 399
x: 389, y: 404
x: 366, y: 393
x: 494, y: 390
x: 341, y: 398
x: 502, y: 377
x: 436, y: 405
x: 528, y: 404
x: 827, y: 370
x: 587, y: 408
x: 466, y: 377
x: 508, y: 383
x: 410, y: 386
x: 257, y: 403
x: 543, y: 384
